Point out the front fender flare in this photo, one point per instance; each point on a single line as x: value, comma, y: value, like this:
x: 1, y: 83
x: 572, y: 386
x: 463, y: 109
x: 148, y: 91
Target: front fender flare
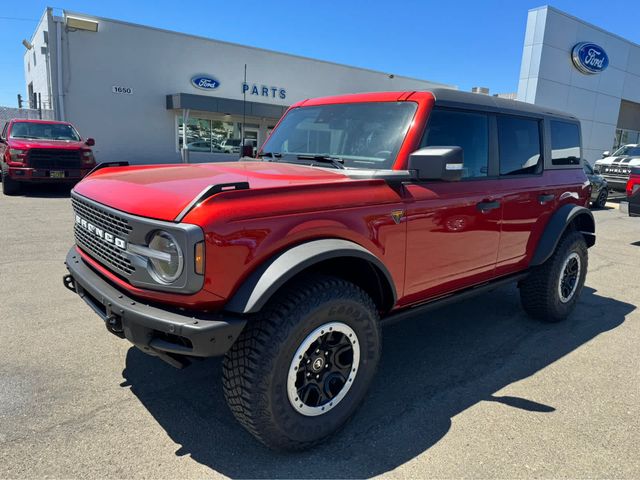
x: 267, y: 279
x: 557, y: 225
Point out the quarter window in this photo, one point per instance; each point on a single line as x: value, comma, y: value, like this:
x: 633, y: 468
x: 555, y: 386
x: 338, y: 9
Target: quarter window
x: 467, y: 130
x: 565, y: 143
x: 519, y: 145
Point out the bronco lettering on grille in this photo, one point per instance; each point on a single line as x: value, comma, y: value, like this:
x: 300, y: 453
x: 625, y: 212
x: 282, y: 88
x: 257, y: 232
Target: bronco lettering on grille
x: 100, y: 233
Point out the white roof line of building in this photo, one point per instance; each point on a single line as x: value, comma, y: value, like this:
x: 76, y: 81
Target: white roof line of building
x: 568, y: 15
x: 131, y: 24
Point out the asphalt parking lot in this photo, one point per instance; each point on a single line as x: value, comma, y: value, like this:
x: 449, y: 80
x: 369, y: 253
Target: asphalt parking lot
x: 473, y: 390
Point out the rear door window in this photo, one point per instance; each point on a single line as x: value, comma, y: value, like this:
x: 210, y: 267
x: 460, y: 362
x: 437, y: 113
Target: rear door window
x: 468, y: 130
x: 565, y: 143
x: 519, y: 145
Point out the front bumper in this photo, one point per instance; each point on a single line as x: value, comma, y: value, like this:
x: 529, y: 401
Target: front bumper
x: 166, y: 333
x: 27, y: 174
x: 616, y: 183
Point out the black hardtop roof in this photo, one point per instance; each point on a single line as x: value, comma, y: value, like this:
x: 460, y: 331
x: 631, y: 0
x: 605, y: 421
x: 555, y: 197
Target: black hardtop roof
x: 456, y: 98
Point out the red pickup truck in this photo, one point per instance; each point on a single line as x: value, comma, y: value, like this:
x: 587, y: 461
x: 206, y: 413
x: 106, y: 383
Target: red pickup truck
x: 359, y: 210
x: 41, y: 151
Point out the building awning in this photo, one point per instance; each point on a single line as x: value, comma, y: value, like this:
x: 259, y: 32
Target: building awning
x: 227, y: 106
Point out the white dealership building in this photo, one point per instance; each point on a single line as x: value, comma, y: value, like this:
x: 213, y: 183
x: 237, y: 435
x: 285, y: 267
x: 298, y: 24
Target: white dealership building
x: 131, y: 87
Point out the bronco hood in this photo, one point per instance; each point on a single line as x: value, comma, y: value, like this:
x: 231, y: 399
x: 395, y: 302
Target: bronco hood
x: 163, y: 191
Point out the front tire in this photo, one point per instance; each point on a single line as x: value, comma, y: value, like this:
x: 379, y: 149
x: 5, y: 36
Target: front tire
x: 300, y: 369
x: 601, y: 201
x: 551, y: 291
x: 9, y: 186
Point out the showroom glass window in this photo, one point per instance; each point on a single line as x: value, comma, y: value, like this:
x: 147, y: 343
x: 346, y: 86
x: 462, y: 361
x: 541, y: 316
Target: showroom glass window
x: 565, y: 143
x: 519, y: 145
x: 467, y: 130
x: 216, y: 135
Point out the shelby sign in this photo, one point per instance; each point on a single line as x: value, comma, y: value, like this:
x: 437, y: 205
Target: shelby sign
x: 589, y: 58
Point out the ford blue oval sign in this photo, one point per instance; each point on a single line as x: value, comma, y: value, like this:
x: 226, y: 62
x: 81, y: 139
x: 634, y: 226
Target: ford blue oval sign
x: 589, y: 58
x: 204, y: 82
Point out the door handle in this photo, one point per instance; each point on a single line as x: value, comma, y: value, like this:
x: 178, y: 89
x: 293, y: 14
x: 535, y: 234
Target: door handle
x: 547, y: 197
x: 485, y: 207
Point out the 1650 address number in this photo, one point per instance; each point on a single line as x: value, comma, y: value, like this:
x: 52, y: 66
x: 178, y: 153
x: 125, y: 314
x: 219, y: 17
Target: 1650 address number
x: 124, y: 90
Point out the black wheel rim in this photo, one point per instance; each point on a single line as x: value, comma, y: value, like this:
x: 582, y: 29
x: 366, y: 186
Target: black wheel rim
x: 569, y: 277
x: 323, y: 369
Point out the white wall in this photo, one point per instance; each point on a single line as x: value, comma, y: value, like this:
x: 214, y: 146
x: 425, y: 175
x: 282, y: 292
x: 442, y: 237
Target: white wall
x: 154, y: 63
x: 549, y: 78
x: 37, y: 73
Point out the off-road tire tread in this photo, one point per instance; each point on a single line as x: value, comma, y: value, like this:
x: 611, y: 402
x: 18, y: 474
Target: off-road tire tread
x: 537, y: 290
x: 244, y: 383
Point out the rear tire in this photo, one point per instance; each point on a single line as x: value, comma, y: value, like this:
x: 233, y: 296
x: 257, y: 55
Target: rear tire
x: 301, y: 368
x: 551, y: 291
x: 9, y: 186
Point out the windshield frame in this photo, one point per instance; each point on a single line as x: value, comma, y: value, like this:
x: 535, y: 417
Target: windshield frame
x: 350, y: 161
x: 77, y: 138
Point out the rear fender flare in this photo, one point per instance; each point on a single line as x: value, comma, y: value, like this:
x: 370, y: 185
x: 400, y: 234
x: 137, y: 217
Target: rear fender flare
x: 560, y: 221
x: 267, y: 279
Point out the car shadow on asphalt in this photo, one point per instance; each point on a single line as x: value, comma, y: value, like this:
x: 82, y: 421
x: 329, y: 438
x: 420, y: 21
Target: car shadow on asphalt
x: 433, y: 367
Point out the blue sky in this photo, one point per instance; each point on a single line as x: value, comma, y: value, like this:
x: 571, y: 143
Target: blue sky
x: 466, y: 43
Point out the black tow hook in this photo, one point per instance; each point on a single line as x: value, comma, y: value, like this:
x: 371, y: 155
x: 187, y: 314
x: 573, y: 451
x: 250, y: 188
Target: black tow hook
x: 69, y: 283
x: 114, y: 325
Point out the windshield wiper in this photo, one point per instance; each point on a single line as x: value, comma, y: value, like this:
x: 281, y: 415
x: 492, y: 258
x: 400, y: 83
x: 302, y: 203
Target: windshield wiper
x: 337, y: 162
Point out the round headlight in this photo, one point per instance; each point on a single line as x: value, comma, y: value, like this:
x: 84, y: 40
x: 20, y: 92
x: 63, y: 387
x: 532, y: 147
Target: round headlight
x: 167, y: 266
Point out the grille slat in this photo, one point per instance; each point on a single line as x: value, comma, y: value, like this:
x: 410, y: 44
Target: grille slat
x: 108, y: 254
x: 49, y: 158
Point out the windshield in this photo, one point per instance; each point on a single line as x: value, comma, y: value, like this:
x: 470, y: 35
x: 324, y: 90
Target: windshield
x: 46, y: 131
x: 631, y: 150
x: 362, y: 135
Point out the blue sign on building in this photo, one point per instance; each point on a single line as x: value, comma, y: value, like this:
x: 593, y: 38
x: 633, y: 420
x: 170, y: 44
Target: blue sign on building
x: 204, y: 82
x: 589, y: 58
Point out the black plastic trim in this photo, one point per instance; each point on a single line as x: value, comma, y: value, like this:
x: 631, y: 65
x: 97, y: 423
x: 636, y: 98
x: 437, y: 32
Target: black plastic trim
x: 107, y: 164
x: 556, y: 227
x: 209, y: 192
x: 258, y: 288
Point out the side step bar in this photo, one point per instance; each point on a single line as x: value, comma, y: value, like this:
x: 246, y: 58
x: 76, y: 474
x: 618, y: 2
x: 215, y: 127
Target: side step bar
x: 449, y: 299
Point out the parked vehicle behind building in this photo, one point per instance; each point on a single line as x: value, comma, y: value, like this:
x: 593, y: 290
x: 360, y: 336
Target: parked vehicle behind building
x: 615, y: 168
x: 364, y: 208
x: 41, y: 151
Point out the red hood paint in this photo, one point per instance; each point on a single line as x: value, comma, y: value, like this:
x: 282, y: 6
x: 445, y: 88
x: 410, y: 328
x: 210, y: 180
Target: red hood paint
x: 27, y: 143
x: 163, y: 191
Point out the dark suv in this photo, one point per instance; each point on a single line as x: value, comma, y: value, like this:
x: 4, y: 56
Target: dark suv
x: 359, y: 209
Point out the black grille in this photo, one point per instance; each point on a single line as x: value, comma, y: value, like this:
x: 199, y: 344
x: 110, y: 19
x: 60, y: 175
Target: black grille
x: 106, y: 253
x: 48, y: 158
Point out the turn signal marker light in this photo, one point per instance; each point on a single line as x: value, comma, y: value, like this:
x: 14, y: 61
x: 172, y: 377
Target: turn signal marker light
x: 199, y: 258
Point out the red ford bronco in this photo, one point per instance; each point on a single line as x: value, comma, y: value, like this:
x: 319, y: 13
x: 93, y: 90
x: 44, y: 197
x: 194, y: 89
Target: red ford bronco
x: 359, y: 209
x: 42, y: 151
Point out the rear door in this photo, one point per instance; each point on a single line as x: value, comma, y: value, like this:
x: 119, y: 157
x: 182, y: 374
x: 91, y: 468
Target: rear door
x: 453, y: 228
x: 528, y: 200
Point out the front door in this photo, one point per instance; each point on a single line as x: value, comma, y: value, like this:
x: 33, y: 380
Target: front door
x: 453, y: 228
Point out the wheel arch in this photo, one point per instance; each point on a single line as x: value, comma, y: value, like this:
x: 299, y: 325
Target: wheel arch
x: 566, y: 217
x: 337, y: 257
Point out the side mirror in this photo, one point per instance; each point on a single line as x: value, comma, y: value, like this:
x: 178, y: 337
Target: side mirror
x: 90, y: 142
x: 437, y: 163
x: 606, y: 153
